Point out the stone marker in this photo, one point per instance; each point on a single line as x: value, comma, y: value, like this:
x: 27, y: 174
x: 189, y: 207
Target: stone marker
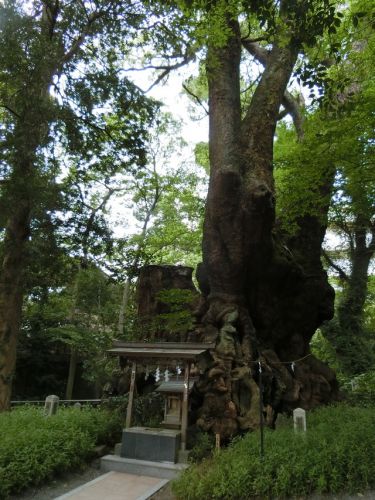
x: 217, y: 441
x: 77, y: 405
x: 299, y: 420
x: 51, y: 405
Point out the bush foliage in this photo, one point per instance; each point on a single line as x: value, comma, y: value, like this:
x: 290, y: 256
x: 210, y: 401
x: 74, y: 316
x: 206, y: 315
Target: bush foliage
x: 34, y: 447
x: 336, y: 454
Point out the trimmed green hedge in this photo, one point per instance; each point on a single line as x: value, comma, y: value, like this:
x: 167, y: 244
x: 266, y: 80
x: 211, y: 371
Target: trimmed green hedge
x: 34, y: 447
x: 336, y: 454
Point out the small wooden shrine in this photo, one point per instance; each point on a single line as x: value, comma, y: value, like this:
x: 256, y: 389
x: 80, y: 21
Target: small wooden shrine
x: 178, y: 357
x: 173, y: 390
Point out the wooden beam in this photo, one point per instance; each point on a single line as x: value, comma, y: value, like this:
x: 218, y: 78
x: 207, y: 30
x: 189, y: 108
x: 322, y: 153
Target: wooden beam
x: 129, y: 409
x: 185, y: 406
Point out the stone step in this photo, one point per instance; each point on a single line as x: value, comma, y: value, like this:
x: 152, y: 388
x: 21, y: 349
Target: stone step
x: 163, y: 470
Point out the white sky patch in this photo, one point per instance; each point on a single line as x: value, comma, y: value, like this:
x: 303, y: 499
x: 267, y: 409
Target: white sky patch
x: 176, y: 102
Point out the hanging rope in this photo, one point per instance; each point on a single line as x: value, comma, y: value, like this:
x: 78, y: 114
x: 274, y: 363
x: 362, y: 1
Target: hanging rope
x: 292, y: 363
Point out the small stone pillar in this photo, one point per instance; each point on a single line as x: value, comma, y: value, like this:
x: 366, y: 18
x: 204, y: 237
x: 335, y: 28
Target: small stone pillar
x: 77, y: 406
x: 51, y: 404
x: 299, y: 420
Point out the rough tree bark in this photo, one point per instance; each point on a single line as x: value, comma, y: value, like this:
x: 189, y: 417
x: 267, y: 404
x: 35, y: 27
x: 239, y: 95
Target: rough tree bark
x: 265, y: 296
x: 152, y: 280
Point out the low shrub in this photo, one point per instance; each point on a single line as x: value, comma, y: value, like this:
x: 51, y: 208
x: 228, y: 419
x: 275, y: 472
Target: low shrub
x: 148, y: 409
x: 34, y: 447
x: 360, y: 390
x: 203, y: 446
x: 336, y: 454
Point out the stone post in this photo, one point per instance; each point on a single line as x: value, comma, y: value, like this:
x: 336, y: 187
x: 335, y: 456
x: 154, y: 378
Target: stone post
x: 299, y: 420
x: 51, y: 404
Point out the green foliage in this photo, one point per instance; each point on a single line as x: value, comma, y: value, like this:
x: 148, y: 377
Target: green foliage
x: 203, y: 447
x: 201, y: 155
x: 33, y: 447
x: 167, y: 202
x: 81, y: 315
x: 360, y: 390
x: 178, y: 319
x: 336, y: 454
x: 323, y: 350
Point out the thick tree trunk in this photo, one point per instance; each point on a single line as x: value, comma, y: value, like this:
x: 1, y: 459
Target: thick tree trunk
x: 264, y: 302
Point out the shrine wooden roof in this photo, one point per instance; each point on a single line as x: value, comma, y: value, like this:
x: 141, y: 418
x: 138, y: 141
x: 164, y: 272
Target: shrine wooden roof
x: 174, y: 385
x: 161, y: 350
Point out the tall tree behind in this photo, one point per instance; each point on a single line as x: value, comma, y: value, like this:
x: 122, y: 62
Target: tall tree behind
x: 353, y: 207
x: 45, y: 44
x: 339, y: 136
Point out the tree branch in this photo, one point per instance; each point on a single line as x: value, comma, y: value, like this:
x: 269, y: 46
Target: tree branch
x: 260, y: 53
x: 78, y: 41
x: 291, y: 105
x: 10, y: 110
x: 336, y: 267
x: 168, y: 69
x: 199, y: 101
x: 50, y: 13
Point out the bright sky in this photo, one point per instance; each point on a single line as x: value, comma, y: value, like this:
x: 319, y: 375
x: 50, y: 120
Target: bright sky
x: 176, y: 101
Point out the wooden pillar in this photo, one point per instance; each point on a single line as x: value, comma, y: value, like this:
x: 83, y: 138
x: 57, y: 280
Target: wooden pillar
x: 129, y: 409
x: 185, y: 406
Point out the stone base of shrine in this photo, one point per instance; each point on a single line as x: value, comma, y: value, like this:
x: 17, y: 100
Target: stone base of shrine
x: 162, y: 470
x: 151, y: 444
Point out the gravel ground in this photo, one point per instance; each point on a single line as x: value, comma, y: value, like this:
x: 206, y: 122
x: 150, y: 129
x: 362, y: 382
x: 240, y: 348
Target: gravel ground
x: 60, y: 485
x: 164, y: 493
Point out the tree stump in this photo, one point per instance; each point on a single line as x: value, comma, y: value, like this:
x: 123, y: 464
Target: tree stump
x: 166, y: 296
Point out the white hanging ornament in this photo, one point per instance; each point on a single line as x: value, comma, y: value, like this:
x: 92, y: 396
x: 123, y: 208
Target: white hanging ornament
x: 178, y: 370
x: 157, y: 374
x: 293, y: 366
x: 147, y: 373
x: 260, y: 367
x: 166, y: 375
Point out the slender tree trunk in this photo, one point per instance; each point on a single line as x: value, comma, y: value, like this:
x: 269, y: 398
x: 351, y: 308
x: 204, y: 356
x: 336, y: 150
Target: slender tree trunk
x: 33, y: 110
x: 123, y: 307
x: 27, y: 135
x: 11, y: 298
x: 346, y: 332
x: 72, y: 373
x: 351, y: 307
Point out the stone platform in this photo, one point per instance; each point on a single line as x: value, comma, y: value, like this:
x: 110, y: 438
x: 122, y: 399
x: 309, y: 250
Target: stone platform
x: 151, y: 444
x: 163, y: 470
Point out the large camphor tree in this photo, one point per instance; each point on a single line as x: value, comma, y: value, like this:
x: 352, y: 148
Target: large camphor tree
x: 264, y: 292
